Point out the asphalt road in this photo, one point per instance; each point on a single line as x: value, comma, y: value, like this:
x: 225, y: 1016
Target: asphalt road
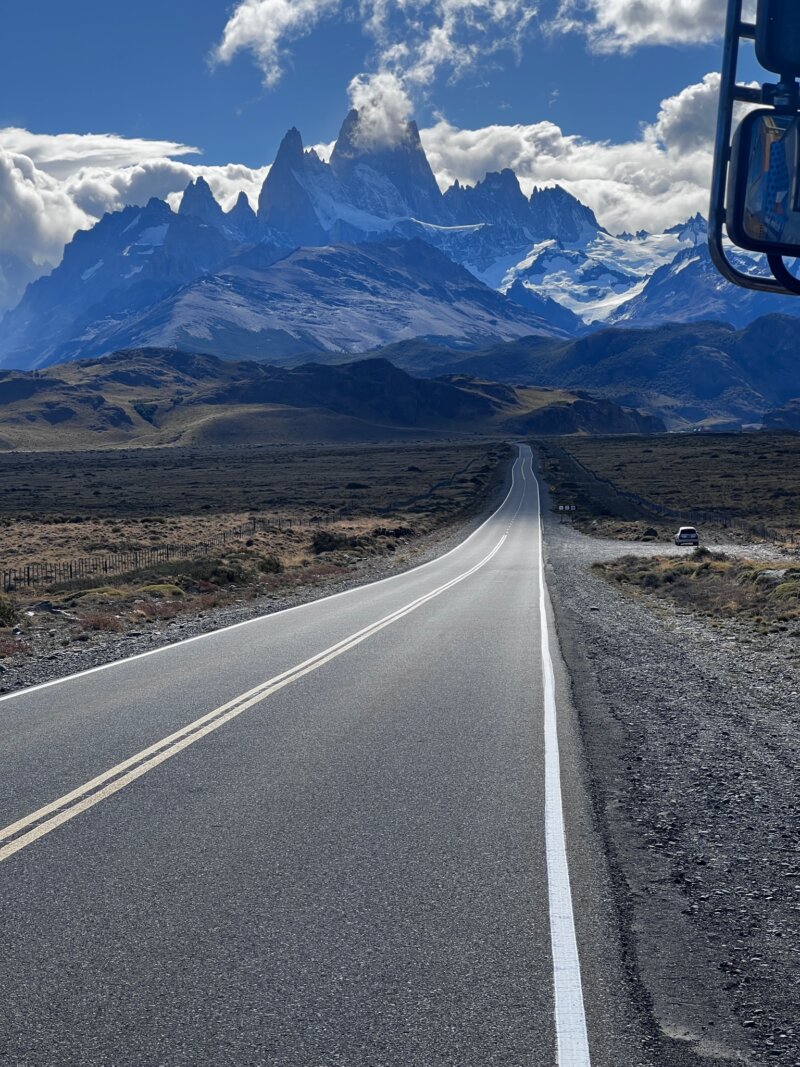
x: 331, y: 836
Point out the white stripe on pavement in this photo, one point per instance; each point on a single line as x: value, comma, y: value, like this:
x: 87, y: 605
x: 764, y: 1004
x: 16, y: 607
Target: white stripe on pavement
x: 570, y: 1017
x: 261, y: 618
x: 123, y: 774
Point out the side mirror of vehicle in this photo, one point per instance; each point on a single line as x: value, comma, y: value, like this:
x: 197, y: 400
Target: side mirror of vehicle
x: 763, y: 202
x: 756, y: 174
x: 778, y: 37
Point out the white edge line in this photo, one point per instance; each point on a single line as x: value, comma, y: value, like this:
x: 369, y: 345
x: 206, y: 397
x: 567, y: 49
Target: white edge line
x: 569, y: 1012
x: 260, y: 618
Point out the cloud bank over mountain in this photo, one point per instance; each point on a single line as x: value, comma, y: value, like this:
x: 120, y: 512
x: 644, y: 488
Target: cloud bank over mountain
x: 653, y: 182
x: 52, y: 186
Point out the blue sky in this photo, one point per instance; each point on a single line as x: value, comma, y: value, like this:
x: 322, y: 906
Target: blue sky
x: 102, y: 105
x: 142, y: 71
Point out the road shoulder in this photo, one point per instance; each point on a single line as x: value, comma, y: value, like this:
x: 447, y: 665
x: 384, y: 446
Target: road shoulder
x: 689, y: 764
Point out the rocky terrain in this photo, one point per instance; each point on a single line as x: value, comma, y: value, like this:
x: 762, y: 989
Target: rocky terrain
x: 691, y: 728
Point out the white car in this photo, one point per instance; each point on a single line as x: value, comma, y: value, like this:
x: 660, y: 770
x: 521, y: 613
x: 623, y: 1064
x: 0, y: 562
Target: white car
x: 687, y: 535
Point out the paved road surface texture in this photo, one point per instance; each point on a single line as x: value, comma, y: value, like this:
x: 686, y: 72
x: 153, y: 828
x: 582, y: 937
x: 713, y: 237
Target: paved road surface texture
x: 330, y: 836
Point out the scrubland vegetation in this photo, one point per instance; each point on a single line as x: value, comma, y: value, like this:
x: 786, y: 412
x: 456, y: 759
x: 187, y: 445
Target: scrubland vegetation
x: 763, y: 593
x: 308, y: 518
x: 745, y: 487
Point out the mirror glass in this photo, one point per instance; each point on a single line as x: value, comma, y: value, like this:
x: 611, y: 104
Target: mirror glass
x: 764, y: 209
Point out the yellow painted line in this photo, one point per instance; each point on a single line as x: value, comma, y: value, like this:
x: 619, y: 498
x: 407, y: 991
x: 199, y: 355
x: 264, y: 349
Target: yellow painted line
x: 49, y: 817
x: 262, y: 618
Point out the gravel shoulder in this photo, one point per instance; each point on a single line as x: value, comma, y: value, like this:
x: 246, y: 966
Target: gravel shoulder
x: 690, y: 732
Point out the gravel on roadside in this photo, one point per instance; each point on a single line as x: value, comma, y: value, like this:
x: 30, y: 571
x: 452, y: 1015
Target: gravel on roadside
x: 691, y: 740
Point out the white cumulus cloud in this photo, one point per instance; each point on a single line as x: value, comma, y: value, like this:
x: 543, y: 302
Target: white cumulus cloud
x: 53, y: 185
x: 622, y: 25
x: 652, y: 182
x: 264, y: 27
x: 414, y: 41
x: 383, y: 106
x: 62, y: 154
x: 37, y: 218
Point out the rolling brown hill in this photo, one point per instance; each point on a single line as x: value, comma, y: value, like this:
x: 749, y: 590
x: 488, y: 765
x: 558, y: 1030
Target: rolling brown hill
x: 147, y: 397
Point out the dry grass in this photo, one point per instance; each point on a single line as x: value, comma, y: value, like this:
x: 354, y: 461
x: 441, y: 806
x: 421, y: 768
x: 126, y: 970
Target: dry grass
x: 102, y: 622
x: 750, y: 477
x: 713, y: 584
x: 365, y: 503
x: 56, y: 507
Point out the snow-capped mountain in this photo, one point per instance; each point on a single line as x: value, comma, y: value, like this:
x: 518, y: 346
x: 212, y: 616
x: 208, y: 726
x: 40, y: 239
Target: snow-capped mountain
x: 689, y: 289
x: 340, y: 298
x: 360, y: 195
x: 557, y: 268
x: 128, y: 261
x: 595, y: 272
x: 386, y: 180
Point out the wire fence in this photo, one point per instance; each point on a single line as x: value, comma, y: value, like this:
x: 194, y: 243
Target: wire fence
x: 82, y: 568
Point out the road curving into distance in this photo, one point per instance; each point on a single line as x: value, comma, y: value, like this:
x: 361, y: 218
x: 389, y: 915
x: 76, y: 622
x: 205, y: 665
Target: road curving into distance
x: 334, y: 835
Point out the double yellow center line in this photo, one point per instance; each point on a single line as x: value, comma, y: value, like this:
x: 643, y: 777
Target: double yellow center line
x: 18, y: 835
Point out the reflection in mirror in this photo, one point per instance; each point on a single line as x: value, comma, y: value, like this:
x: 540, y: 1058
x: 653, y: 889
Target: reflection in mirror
x: 764, y: 211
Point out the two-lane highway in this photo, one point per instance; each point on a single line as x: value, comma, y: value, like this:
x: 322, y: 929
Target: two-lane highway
x: 330, y: 836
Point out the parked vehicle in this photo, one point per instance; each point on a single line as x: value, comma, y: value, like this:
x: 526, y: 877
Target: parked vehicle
x: 687, y: 535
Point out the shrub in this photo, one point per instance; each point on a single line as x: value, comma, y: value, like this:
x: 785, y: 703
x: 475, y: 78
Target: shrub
x: 165, y: 589
x: 787, y: 590
x: 328, y: 541
x: 270, y: 565
x: 8, y: 611
x: 214, y: 571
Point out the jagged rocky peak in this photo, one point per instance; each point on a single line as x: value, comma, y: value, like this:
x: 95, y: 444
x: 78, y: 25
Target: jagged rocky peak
x: 242, y: 209
x: 284, y: 203
x: 242, y: 219
x: 199, y: 202
x: 498, y: 195
x: 388, y: 174
x: 555, y: 213
x: 290, y: 150
x: 694, y: 229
